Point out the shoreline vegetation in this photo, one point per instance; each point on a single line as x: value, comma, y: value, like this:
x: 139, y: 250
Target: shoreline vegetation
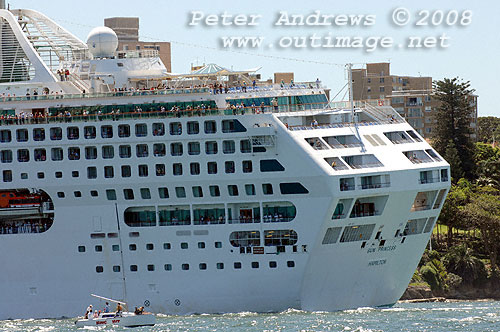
x: 462, y: 262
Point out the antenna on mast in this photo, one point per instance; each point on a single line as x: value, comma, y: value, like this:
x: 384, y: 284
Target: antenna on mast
x: 351, y: 97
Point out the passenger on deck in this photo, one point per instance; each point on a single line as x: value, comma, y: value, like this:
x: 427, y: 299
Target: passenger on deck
x: 119, y: 310
x: 88, y: 313
x: 106, y: 307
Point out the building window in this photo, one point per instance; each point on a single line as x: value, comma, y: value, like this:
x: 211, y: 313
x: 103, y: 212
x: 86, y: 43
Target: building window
x: 125, y: 151
x: 6, y: 156
x: 158, y: 129
x: 23, y: 155
x: 197, y: 191
x: 107, y: 132
x: 212, y: 167
x: 193, y: 128
x: 245, y: 146
x: 159, y: 150
x: 108, y: 152
x: 74, y: 153
x: 89, y: 132
x: 193, y: 148
x: 111, y: 194
x: 175, y: 128
x: 271, y: 165
x: 267, y: 189
x: 247, y: 166
x: 123, y: 130
x: 55, y: 133
x: 141, y: 130
x: 210, y: 127
x: 232, y: 190
x: 180, y: 192
x: 142, y: 150
x: 57, y: 154
x: 160, y: 169
x: 22, y: 135
x: 128, y: 194
x: 90, y: 152
x: 228, y: 147
x: 250, y: 189
x: 38, y: 135
x: 108, y: 172
x: 214, y: 191
x: 91, y: 172
x: 6, y: 136
x: 126, y: 171
x: 145, y: 193
x: 211, y: 147
x: 163, y: 192
x: 73, y: 133
x: 143, y: 170
x: 176, y: 149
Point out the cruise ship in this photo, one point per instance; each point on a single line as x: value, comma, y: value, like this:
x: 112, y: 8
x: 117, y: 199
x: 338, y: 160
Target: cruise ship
x: 202, y: 192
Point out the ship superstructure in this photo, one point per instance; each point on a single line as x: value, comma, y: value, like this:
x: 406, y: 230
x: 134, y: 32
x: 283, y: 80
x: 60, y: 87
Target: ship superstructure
x: 184, y: 196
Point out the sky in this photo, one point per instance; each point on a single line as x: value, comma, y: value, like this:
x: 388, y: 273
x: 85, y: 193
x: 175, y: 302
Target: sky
x: 462, y: 38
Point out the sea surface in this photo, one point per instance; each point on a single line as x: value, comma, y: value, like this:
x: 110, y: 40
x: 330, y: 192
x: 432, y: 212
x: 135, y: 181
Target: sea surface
x: 478, y: 316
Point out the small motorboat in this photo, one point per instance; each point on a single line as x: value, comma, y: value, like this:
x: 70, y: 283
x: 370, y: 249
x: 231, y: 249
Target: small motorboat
x: 122, y: 318
x: 126, y: 319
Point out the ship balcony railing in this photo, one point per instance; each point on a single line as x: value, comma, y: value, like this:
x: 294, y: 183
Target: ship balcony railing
x: 366, y: 165
x: 175, y: 222
x: 339, y: 216
x: 374, y: 185
x: 364, y: 214
x: 400, y: 141
x: 270, y: 219
x: 429, y: 180
x: 208, y: 221
x: 347, y: 186
x: 346, y: 145
x: 244, y: 221
x: 420, y: 207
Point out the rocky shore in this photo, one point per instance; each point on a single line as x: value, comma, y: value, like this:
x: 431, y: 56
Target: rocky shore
x: 415, y: 294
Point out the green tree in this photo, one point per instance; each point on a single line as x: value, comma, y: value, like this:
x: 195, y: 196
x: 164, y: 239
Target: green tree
x: 461, y: 261
x: 452, y: 210
x: 488, y: 128
x: 454, y: 114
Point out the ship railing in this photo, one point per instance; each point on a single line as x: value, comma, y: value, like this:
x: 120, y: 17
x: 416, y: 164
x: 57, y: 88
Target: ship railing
x: 244, y: 221
x: 374, y: 185
x: 420, y: 207
x: 429, y: 180
x: 209, y: 222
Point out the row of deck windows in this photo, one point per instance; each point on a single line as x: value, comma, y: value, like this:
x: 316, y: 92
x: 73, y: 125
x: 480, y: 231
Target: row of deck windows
x: 125, y: 151
x: 123, y: 130
x: 186, y: 266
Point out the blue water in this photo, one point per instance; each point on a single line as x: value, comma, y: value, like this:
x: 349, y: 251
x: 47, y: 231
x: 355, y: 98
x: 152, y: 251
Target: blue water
x: 435, y: 317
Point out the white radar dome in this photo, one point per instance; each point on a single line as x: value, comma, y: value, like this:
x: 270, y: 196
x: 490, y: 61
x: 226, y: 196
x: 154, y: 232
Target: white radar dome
x: 102, y: 42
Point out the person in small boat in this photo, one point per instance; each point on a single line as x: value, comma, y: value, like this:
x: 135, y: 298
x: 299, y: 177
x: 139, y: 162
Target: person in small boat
x: 106, y: 307
x: 88, y: 312
x: 119, y: 309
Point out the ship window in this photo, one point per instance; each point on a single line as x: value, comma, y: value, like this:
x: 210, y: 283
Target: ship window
x: 212, y: 167
x: 111, y: 194
x: 24, y: 176
x: 245, y: 146
x: 174, y: 215
x: 5, y: 136
x: 214, y: 191
x: 201, y: 245
x: 73, y: 133
x: 126, y: 171
x: 180, y: 192
x: 6, y: 156
x: 250, y: 189
x: 444, y: 175
x: 185, y: 267
x: 193, y: 127
x: 158, y: 129
x: 107, y: 132
x: 290, y: 188
x: 232, y: 190
x: 149, y: 246
x: 40, y: 155
x: 109, y: 172
x: 203, y: 266
x: 280, y: 238
x: 278, y: 212
x: 128, y: 194
x: 123, y: 130
x: 141, y: 130
x: 132, y: 247
x: 125, y: 151
x: 98, y: 248
x: 116, y: 268
x: 133, y: 268
x: 74, y: 153
x: 55, y: 133
x: 92, y: 172
x: 143, y: 170
x: 175, y: 128
x: 237, y: 265
x: 7, y: 175
x: 57, y: 154
x: 108, y: 152
x: 99, y: 269
x: 163, y: 192
x: 81, y: 248
x: 195, y: 168
x: 159, y: 150
x: 271, y: 165
x: 357, y: 233
x: 193, y: 148
x: 77, y: 194
x: 211, y: 147
x: 210, y: 127
x: 89, y: 132
x: 145, y: 193
x: 228, y: 147
x: 229, y: 166
x: 244, y: 238
x: 273, y: 264
x: 40, y: 175
x: 168, y: 267
x: 255, y: 265
x: 133, y: 234
x: 232, y: 126
x: 176, y: 149
x: 38, y: 135
x: 220, y: 266
x: 112, y: 236
x: 94, y: 193
x: 160, y: 169
x: 60, y: 194
x: 167, y: 246
x: 267, y: 189
x: 142, y: 150
x: 22, y: 135
x: 177, y: 169
x: 290, y: 263
x: 23, y: 155
x: 184, y: 245
x: 218, y: 245
x: 90, y: 152
x: 142, y: 216
x: 208, y: 214
x: 58, y: 175
x: 247, y: 166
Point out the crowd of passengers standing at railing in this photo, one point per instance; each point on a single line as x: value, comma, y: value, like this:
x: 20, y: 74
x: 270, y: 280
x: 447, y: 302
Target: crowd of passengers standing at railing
x: 24, y: 227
